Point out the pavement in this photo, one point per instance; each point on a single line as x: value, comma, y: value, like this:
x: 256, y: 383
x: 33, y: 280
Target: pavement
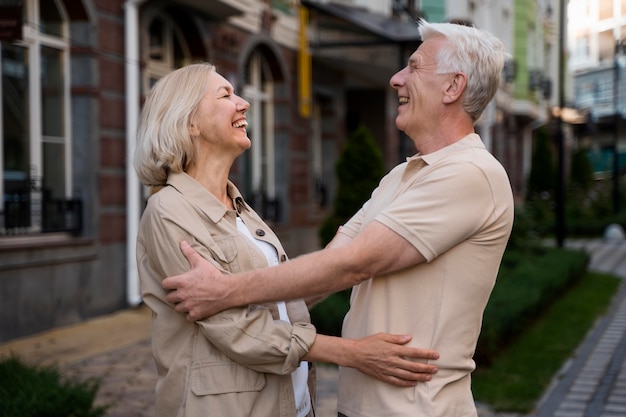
x: 116, y: 349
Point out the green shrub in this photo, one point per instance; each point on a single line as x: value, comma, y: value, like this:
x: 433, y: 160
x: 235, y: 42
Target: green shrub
x: 359, y: 169
x: 328, y: 315
x: 542, y: 177
x: 581, y: 173
x: 589, y: 205
x: 527, y: 284
x: 524, y: 238
x: 521, y: 373
x: 42, y: 391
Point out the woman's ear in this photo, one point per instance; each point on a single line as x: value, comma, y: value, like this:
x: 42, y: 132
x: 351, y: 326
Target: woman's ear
x: 455, y: 87
x: 193, y: 130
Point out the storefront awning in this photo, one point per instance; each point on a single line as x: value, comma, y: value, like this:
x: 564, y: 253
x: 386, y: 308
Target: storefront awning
x: 338, y: 25
x: 367, y: 46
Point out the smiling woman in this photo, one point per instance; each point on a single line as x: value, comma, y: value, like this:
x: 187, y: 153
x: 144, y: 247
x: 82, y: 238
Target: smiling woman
x: 193, y: 127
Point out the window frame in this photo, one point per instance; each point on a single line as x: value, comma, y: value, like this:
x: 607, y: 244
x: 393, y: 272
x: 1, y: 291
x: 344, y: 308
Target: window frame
x: 33, y: 41
x: 258, y: 90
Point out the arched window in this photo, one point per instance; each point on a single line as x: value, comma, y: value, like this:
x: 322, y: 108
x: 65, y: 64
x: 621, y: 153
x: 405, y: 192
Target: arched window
x: 163, y: 47
x: 35, y: 121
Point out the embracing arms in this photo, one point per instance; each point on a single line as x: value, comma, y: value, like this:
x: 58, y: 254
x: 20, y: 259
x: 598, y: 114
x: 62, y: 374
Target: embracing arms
x: 204, y: 291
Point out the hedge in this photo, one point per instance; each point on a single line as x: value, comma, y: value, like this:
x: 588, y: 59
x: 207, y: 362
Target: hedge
x: 527, y: 283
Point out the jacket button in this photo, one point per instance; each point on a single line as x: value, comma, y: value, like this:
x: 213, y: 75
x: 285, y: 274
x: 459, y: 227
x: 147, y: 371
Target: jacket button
x: 283, y: 258
x: 260, y: 232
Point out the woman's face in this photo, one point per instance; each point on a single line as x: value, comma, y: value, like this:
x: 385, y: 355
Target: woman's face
x: 220, y: 119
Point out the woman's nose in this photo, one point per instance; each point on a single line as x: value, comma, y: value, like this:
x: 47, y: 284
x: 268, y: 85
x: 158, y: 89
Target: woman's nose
x: 243, y: 105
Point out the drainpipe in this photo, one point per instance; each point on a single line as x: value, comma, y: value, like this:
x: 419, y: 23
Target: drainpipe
x: 133, y: 196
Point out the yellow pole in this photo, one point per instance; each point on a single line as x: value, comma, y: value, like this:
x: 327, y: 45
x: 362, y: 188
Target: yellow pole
x: 304, y: 66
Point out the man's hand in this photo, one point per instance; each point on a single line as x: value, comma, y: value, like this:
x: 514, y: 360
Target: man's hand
x: 384, y: 356
x: 200, y: 292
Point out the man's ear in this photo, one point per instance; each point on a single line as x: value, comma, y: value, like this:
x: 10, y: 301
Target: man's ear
x: 455, y: 88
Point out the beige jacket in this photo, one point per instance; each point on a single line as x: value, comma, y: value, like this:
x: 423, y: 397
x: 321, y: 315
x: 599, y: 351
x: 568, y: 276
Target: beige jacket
x: 236, y: 363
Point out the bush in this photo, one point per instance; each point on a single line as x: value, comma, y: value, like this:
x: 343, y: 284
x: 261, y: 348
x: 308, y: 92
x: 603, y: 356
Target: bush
x: 516, y: 379
x: 542, y: 171
x: 39, y: 391
x: 328, y: 315
x: 527, y: 284
x: 359, y: 169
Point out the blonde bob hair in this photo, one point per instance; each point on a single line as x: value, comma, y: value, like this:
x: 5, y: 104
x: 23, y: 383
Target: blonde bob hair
x: 164, y: 143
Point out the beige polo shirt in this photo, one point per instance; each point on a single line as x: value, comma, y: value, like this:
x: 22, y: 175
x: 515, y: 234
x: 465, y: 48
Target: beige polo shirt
x: 455, y: 206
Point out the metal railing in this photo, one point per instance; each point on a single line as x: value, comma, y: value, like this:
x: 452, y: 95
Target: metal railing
x: 28, y: 211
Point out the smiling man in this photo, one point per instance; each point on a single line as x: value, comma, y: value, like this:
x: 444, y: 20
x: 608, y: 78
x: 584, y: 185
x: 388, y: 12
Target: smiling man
x: 422, y: 255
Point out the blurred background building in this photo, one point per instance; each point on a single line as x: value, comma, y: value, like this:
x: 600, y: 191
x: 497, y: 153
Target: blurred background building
x: 597, y: 64
x: 75, y: 73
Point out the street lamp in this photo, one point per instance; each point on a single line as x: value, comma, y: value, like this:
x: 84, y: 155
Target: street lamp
x: 559, y: 192
x: 619, y: 57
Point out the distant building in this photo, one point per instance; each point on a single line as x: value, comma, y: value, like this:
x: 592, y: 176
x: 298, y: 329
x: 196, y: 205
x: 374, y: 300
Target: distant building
x: 597, y: 64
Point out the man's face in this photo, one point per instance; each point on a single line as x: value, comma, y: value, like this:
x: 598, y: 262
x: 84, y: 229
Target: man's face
x: 420, y: 89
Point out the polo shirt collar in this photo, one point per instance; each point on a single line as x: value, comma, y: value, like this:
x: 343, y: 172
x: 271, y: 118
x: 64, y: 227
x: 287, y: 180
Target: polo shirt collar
x: 470, y: 141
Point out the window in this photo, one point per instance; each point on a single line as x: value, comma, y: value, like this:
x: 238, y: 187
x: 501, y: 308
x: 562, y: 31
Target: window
x: 259, y: 92
x: 606, y: 46
x: 34, y: 125
x: 164, y: 48
x: 605, y: 9
x: 581, y: 48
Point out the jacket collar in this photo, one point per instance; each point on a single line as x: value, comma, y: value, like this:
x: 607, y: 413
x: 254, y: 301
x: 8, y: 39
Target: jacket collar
x: 202, y: 198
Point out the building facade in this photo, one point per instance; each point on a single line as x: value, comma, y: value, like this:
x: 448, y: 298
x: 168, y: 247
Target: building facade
x: 597, y: 46
x: 74, y: 74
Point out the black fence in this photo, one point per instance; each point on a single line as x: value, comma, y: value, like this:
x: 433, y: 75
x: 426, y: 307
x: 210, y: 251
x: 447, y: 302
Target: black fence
x: 27, y: 212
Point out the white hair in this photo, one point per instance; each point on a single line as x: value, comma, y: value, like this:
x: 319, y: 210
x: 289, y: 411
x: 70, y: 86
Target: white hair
x: 476, y: 53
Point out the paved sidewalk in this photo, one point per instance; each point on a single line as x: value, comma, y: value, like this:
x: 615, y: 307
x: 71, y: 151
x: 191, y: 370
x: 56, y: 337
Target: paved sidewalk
x: 593, y: 382
x: 116, y: 348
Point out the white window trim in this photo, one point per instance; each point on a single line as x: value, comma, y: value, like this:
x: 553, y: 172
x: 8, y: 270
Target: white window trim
x: 261, y: 98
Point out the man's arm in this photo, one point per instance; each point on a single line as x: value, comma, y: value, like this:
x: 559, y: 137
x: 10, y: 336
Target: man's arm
x: 338, y: 240
x: 204, y: 291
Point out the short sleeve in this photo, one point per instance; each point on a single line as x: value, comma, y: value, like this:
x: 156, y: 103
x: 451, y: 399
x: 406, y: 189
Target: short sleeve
x: 442, y: 208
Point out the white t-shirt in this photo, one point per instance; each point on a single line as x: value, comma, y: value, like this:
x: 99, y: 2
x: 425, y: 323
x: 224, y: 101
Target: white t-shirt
x: 300, y: 376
